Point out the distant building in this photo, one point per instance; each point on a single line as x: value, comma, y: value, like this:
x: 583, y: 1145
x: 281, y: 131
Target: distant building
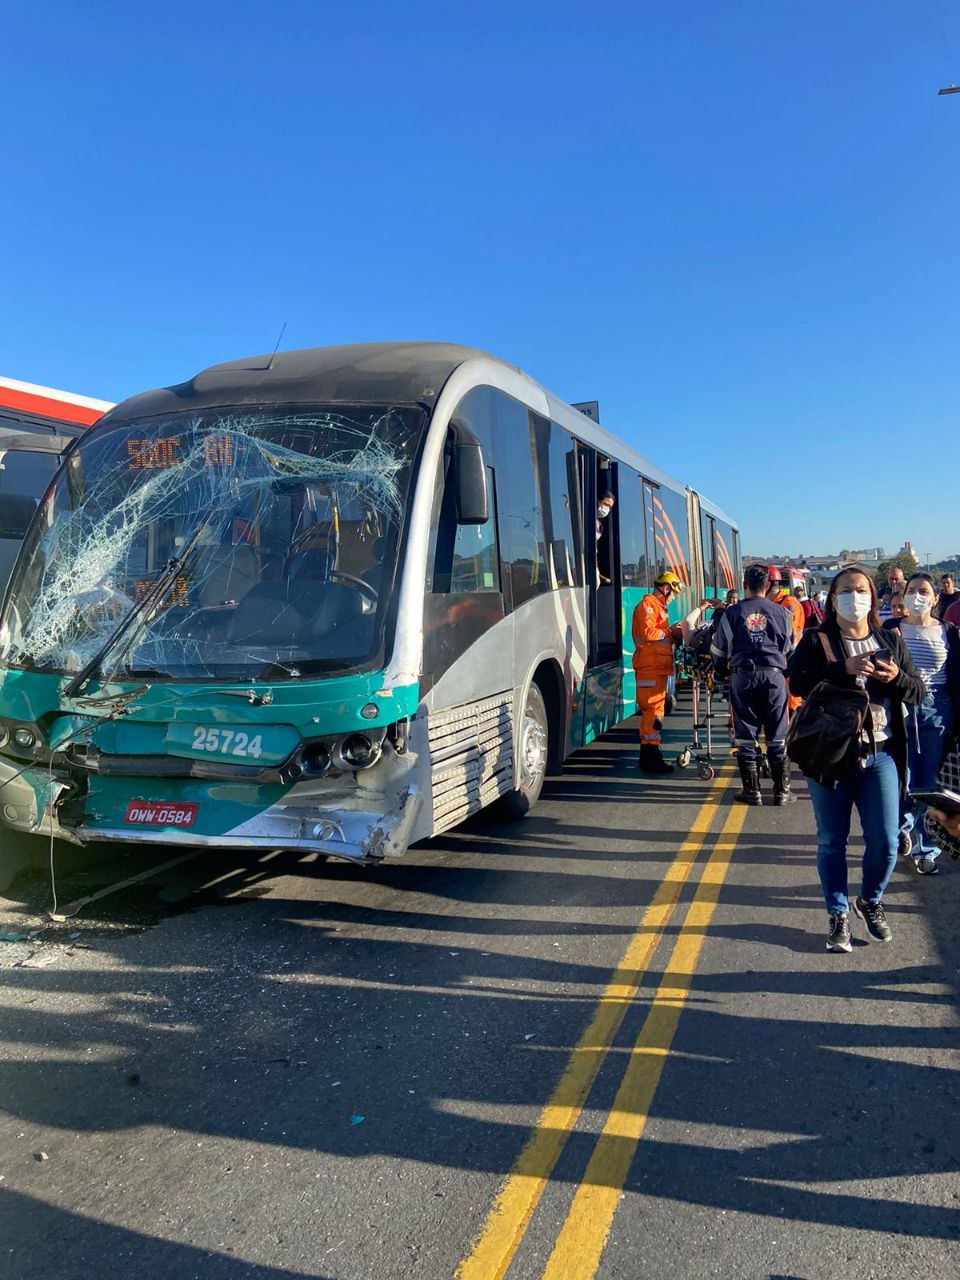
x: 874, y: 554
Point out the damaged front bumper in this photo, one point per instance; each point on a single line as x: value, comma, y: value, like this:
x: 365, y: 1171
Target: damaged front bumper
x: 362, y: 821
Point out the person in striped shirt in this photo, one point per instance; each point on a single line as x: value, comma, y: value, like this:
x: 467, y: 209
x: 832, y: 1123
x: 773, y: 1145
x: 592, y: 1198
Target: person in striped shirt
x: 934, y: 649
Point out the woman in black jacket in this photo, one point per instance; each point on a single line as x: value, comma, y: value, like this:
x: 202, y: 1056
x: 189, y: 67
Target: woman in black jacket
x: 861, y: 654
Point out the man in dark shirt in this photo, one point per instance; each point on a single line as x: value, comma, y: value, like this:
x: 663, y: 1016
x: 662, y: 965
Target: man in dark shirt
x: 948, y: 595
x: 753, y: 643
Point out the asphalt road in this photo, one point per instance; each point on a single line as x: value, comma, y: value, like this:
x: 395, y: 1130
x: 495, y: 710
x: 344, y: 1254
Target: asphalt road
x: 604, y: 1041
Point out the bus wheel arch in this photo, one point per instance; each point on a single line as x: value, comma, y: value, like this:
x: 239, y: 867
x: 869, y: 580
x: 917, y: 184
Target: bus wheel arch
x: 549, y: 679
x: 540, y: 730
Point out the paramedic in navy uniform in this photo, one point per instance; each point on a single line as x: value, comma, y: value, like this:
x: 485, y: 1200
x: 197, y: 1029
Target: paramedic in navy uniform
x: 753, y: 643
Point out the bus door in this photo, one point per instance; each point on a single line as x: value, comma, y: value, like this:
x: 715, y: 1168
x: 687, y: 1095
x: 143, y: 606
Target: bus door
x: 602, y: 697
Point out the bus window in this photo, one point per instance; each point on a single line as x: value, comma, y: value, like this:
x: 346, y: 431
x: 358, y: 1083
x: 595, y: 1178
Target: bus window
x: 633, y: 553
x: 725, y: 556
x: 24, y: 476
x: 667, y: 518
x: 466, y: 556
x: 709, y: 559
x: 519, y: 511
x: 476, y: 563
x: 554, y: 460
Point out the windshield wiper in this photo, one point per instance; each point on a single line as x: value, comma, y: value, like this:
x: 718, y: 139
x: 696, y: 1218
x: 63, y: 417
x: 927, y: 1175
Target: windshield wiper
x: 140, y: 612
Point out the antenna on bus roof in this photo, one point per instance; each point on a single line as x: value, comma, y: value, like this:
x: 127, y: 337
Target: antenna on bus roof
x: 277, y: 347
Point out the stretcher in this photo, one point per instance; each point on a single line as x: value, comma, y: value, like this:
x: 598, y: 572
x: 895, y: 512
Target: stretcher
x: 698, y: 669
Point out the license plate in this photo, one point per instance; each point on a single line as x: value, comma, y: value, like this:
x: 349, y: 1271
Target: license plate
x: 161, y: 813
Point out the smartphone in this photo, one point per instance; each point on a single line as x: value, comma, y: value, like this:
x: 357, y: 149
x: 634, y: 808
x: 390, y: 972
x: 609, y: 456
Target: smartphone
x: 945, y: 801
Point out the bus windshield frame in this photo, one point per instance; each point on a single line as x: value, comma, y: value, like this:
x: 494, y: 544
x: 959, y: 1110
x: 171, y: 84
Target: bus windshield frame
x: 293, y: 517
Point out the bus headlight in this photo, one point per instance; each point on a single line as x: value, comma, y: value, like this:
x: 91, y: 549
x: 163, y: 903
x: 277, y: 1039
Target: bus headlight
x: 359, y: 752
x: 315, y: 760
x: 22, y: 740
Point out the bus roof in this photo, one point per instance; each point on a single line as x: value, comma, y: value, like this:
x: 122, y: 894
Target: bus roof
x: 367, y: 373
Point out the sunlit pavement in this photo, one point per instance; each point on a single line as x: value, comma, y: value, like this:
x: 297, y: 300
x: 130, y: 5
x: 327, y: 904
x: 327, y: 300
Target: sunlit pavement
x: 605, y: 1041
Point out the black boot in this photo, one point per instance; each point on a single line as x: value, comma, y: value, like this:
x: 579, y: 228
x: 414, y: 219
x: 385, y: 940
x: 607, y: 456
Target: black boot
x: 651, y: 759
x: 780, y: 769
x: 750, y: 778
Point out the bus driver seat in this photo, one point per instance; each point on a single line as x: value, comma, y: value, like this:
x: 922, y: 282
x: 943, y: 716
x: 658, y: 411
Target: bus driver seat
x: 340, y: 623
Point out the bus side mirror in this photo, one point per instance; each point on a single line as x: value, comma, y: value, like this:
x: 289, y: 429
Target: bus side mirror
x: 470, y: 477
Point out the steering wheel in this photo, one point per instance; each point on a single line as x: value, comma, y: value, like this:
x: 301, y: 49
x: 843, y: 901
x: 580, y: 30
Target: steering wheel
x: 358, y: 584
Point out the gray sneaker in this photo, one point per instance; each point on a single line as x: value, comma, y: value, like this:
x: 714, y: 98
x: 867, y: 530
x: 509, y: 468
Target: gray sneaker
x: 838, y: 937
x: 927, y: 865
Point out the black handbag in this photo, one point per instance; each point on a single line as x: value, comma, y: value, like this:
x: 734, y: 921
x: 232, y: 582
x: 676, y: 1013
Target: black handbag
x: 827, y: 729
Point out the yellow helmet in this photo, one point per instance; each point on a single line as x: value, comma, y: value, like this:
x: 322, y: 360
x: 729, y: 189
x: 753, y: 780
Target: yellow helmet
x: 668, y: 579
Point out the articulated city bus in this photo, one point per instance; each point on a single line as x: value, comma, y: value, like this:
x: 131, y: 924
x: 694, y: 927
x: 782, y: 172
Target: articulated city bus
x: 333, y: 600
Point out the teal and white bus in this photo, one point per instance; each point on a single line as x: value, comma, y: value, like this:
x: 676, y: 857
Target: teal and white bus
x: 334, y: 600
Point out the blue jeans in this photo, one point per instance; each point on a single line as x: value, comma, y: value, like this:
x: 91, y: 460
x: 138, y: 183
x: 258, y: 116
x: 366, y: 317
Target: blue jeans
x: 876, y: 793
x: 927, y: 728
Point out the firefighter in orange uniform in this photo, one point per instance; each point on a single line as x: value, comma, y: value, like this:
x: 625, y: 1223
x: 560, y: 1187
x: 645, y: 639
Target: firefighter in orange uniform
x: 780, y: 594
x: 653, y: 639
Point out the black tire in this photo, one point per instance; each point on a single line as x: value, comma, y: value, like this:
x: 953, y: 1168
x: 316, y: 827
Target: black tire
x: 18, y: 851
x: 669, y: 705
x: 532, y: 759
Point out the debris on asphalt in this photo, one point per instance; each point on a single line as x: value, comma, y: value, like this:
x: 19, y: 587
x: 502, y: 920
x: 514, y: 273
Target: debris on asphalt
x: 38, y: 959
x: 357, y: 1119
x: 13, y: 935
x: 40, y: 1156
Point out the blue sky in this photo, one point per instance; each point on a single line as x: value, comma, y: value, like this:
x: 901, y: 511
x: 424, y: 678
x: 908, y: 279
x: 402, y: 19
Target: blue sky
x: 735, y: 224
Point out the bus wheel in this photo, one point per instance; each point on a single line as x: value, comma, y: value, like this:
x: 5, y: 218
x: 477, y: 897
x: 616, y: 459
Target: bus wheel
x: 18, y: 851
x: 531, y: 759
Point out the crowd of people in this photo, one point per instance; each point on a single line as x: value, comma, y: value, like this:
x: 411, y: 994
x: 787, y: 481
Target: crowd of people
x: 859, y: 687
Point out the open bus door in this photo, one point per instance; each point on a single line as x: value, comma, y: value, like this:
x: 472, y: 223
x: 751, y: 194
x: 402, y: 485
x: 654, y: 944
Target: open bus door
x: 602, y: 695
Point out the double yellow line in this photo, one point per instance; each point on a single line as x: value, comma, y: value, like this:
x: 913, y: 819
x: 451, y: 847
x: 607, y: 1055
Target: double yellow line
x: 576, y: 1254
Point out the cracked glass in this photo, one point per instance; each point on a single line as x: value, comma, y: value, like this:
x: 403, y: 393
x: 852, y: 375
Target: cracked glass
x: 225, y: 544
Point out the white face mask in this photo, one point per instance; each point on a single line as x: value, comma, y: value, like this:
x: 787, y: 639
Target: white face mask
x: 917, y: 603
x: 603, y: 512
x: 853, y: 606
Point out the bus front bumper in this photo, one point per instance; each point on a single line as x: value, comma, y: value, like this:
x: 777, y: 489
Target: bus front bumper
x: 344, y: 821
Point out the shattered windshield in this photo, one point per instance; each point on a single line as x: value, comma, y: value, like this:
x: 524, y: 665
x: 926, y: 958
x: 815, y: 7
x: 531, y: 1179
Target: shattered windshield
x: 290, y: 520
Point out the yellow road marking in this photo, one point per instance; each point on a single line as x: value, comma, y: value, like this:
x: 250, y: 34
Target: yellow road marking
x: 507, y: 1221
x: 576, y: 1254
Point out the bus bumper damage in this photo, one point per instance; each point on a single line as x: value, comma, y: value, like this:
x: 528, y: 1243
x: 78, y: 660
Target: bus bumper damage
x: 363, y: 818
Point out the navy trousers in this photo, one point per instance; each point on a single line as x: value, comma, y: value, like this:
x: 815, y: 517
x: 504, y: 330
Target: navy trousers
x: 758, y: 700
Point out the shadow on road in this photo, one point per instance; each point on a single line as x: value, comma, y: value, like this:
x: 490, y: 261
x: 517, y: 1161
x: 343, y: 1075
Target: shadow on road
x: 307, y: 1014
